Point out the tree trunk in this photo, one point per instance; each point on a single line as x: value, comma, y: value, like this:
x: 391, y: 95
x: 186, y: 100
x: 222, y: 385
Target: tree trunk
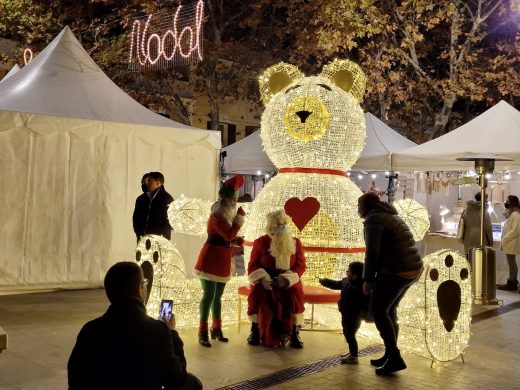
x: 211, y: 89
x: 383, y: 107
x: 441, y: 118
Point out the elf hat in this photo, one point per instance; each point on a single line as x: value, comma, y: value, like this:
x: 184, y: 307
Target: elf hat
x: 231, y: 186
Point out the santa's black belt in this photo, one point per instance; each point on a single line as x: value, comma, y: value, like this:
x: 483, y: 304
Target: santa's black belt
x: 215, y: 239
x: 273, y: 273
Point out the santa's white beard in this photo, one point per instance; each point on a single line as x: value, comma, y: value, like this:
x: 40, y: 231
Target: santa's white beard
x: 229, y: 212
x: 282, y: 248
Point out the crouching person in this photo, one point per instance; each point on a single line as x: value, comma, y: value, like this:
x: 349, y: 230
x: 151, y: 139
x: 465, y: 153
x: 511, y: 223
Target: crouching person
x: 275, y: 304
x: 126, y: 349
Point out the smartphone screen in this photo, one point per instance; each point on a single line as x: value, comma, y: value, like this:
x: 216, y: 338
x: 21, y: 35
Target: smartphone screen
x: 166, y: 310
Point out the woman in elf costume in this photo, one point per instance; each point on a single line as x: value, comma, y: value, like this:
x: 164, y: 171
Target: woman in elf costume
x: 214, y: 263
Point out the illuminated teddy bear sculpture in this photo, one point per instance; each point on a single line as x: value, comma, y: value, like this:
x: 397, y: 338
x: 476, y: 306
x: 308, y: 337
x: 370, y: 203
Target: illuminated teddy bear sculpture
x: 313, y: 130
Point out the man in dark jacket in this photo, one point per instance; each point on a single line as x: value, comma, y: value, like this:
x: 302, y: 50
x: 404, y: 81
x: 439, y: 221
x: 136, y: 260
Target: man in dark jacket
x: 142, y: 204
x: 470, y: 220
x: 157, y: 221
x: 392, y: 264
x: 126, y: 349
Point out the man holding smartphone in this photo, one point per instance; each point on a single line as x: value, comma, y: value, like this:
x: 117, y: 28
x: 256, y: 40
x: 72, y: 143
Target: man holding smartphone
x: 125, y: 348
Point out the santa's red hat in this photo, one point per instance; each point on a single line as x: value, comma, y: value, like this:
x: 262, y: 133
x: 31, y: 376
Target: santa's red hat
x: 235, y: 182
x: 230, y: 188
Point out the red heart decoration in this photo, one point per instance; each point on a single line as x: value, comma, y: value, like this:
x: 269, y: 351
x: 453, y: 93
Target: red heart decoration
x: 302, y: 211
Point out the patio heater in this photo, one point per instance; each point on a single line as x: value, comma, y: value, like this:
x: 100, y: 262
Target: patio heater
x: 482, y: 258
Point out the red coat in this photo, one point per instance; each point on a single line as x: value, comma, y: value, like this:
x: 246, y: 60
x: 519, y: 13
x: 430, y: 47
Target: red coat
x: 214, y: 262
x: 275, y: 308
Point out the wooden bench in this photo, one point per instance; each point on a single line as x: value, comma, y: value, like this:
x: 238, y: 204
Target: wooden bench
x: 311, y: 295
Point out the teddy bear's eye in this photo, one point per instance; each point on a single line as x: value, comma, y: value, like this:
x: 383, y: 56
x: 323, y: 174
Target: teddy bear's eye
x: 325, y: 86
x: 294, y: 87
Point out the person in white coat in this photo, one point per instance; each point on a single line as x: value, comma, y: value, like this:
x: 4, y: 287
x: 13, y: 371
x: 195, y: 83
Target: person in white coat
x: 510, y: 242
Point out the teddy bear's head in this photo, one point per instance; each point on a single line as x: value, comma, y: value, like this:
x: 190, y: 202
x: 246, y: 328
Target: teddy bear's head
x: 313, y: 122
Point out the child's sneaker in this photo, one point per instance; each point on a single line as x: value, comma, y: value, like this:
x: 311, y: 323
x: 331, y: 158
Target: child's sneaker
x: 349, y: 359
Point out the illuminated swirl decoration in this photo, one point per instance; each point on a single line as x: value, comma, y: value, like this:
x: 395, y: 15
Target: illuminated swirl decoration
x: 190, y: 215
x: 415, y: 216
x: 435, y: 314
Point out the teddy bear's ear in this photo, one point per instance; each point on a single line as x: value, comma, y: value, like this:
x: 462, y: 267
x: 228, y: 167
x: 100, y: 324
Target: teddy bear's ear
x: 277, y: 77
x: 347, y: 75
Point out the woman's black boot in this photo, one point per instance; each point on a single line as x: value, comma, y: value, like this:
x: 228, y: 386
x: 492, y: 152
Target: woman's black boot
x: 296, y: 341
x: 204, y: 339
x: 254, y: 336
x: 216, y: 333
x: 379, y: 362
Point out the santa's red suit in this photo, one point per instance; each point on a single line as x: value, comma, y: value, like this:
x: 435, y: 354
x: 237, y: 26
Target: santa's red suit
x: 276, y: 308
x: 214, y: 262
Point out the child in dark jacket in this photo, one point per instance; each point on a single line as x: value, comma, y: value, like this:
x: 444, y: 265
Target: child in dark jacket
x: 353, y: 306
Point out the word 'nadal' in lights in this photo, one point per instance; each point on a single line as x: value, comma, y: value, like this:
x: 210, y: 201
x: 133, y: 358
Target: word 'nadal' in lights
x: 160, y: 41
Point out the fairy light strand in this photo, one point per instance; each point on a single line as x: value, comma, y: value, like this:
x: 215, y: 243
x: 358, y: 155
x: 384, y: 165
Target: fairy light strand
x: 159, y: 41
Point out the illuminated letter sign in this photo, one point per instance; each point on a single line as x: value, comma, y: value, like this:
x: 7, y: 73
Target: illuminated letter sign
x: 164, y: 40
x: 27, y: 56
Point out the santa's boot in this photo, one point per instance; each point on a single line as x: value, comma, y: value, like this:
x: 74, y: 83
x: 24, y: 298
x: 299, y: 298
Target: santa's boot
x: 216, y: 331
x: 254, y: 336
x: 203, y: 334
x: 296, y: 341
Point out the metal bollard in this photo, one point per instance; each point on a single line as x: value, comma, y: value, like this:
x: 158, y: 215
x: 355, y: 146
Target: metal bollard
x: 483, y: 262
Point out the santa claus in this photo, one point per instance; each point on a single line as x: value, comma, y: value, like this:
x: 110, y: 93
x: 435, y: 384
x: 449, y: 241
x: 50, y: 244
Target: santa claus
x: 275, y: 304
x: 214, y: 263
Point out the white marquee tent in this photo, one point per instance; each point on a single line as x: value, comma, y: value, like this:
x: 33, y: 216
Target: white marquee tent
x: 11, y: 72
x: 73, y: 148
x: 496, y: 131
x: 247, y: 156
x: 380, y: 143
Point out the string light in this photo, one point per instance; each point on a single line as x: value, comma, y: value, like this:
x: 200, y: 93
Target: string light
x: 27, y: 56
x: 176, y: 42
x: 373, y: 176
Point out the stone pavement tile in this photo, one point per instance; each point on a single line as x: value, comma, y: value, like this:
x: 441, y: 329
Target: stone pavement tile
x: 43, y: 328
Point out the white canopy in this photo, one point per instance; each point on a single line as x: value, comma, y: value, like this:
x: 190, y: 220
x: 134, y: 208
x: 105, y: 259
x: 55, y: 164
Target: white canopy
x: 12, y: 71
x: 496, y: 131
x: 73, y: 148
x: 380, y: 143
x: 247, y: 156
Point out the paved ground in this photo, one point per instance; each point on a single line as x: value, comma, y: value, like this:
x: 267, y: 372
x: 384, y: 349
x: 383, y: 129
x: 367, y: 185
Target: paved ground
x: 42, y: 329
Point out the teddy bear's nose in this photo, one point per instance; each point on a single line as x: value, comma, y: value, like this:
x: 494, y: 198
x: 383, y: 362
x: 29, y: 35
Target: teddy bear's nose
x: 303, y: 115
